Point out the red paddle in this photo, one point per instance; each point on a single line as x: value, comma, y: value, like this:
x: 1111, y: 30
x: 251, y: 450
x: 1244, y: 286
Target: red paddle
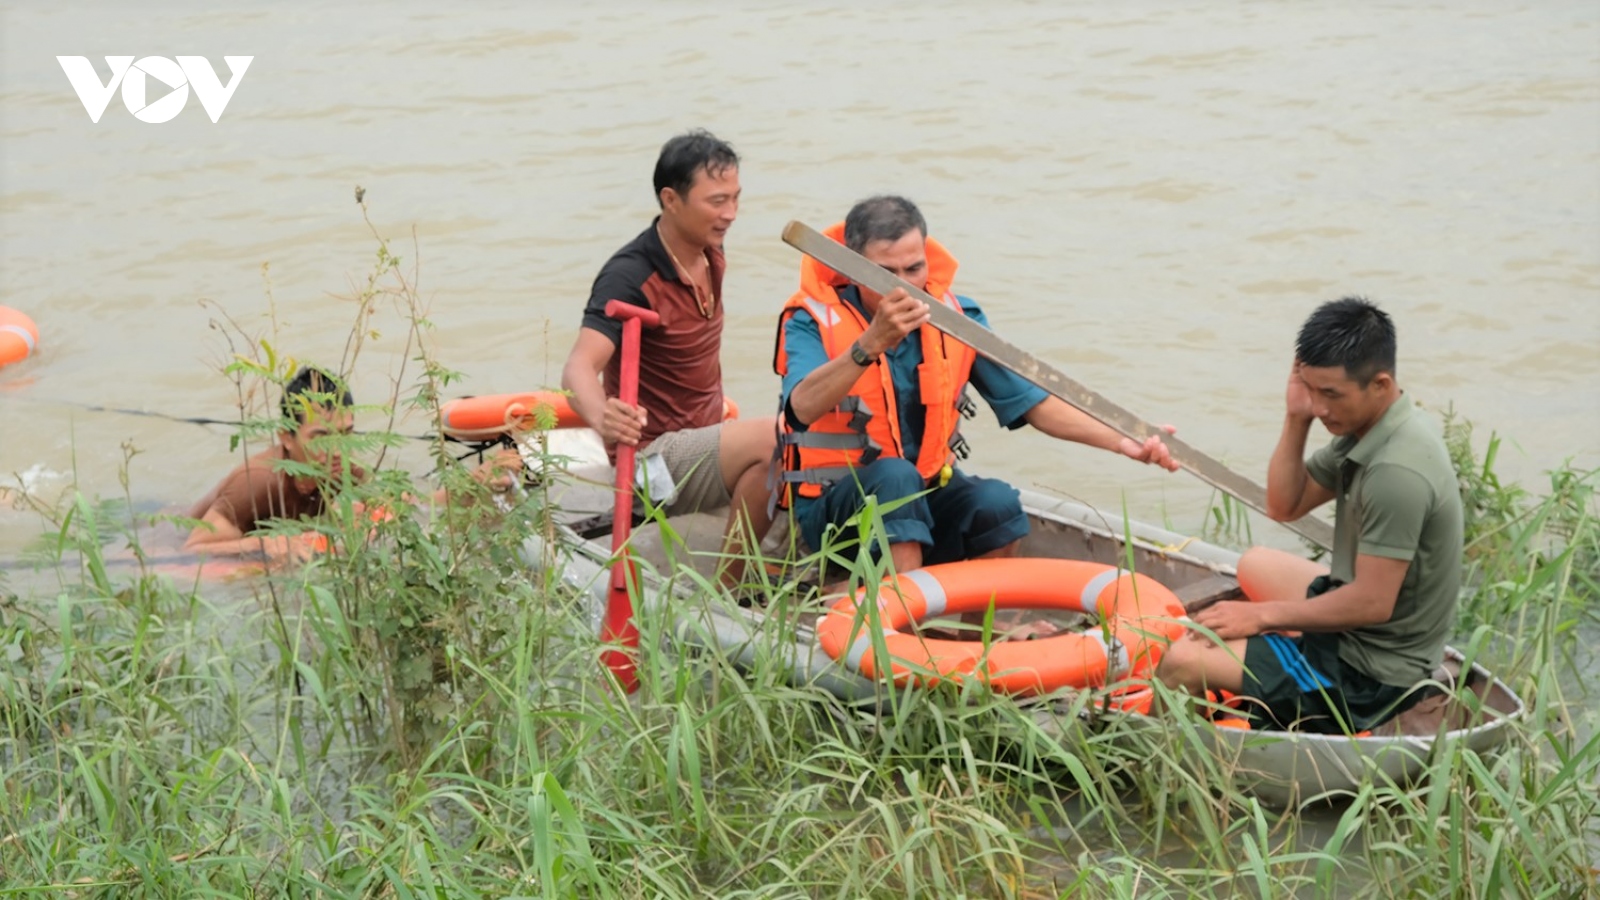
x: 618, y: 628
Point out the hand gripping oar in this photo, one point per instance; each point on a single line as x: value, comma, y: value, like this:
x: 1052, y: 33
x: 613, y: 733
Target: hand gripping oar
x: 864, y: 272
x: 618, y: 628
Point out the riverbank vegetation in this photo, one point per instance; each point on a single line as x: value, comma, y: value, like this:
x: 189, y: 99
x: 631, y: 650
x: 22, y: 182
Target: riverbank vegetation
x: 415, y: 714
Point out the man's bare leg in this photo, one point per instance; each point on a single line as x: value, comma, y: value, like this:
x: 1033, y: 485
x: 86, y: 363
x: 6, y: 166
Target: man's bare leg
x: 1196, y: 664
x: 1268, y: 574
x: 745, y: 452
x: 904, y: 556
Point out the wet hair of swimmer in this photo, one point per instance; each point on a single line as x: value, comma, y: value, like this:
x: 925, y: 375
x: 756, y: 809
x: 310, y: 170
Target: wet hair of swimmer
x: 311, y: 387
x: 1351, y: 332
x: 885, y: 217
x: 688, y: 153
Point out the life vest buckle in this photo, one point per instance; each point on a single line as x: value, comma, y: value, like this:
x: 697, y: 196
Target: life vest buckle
x: 859, y: 414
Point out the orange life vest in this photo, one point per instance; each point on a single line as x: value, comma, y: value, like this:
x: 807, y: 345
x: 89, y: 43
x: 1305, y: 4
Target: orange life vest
x: 866, y: 423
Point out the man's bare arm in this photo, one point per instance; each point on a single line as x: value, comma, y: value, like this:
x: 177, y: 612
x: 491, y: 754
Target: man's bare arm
x: 1062, y: 421
x: 1368, y: 600
x: 617, y: 422
x: 1291, y: 491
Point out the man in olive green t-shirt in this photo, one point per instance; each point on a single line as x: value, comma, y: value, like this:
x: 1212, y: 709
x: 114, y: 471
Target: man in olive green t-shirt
x: 1375, y: 625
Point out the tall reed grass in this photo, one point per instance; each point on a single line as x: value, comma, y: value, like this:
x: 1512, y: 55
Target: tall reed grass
x: 419, y: 714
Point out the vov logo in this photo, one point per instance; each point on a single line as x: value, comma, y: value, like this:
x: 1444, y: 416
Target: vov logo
x: 188, y: 71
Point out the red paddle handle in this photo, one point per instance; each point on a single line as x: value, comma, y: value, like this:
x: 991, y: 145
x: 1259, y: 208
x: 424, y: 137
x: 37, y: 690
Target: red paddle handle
x: 618, y: 628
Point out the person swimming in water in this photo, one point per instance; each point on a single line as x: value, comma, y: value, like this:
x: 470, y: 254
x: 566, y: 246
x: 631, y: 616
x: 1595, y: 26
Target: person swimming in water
x: 316, y: 411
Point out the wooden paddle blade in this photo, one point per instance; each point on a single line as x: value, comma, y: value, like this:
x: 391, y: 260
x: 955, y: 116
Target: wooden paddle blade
x: 991, y: 346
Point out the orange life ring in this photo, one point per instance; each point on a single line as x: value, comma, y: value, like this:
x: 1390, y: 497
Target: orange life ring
x: 18, y: 336
x: 1139, y: 618
x: 1139, y: 698
x: 486, y: 418
x: 317, y: 541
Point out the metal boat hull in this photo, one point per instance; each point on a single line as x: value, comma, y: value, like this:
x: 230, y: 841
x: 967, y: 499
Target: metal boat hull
x: 1283, y: 768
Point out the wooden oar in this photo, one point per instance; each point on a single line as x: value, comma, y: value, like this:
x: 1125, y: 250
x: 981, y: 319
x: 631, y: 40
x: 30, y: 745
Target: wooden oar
x: 991, y: 346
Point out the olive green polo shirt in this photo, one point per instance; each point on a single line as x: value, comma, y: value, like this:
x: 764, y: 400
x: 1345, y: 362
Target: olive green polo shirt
x: 1396, y: 496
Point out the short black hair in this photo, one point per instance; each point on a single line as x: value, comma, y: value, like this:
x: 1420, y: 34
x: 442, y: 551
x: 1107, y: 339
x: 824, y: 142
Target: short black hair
x: 885, y: 217
x: 1351, y: 332
x: 310, y: 387
x: 688, y: 153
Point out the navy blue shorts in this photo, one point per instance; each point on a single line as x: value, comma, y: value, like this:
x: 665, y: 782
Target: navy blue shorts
x: 966, y: 518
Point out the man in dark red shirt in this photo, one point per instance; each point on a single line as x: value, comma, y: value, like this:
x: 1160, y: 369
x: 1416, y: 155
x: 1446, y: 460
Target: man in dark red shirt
x: 675, y: 268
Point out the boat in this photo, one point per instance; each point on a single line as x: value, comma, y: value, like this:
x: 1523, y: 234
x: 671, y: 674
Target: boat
x: 1284, y: 769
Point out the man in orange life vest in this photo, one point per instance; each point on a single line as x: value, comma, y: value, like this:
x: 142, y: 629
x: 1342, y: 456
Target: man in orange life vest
x: 872, y: 402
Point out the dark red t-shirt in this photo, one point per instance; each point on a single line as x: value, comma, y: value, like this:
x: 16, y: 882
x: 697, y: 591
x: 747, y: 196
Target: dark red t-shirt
x: 680, y: 362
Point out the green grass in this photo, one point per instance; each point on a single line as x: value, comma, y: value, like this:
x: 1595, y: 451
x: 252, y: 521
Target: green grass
x: 419, y: 714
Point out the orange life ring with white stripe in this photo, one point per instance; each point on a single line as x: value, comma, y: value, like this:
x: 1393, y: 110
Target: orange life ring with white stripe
x: 1139, y: 617
x: 1139, y: 699
x: 486, y: 418
x: 19, y: 337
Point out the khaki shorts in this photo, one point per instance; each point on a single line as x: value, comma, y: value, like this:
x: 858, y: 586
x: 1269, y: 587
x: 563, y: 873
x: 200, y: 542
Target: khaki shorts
x: 694, y: 458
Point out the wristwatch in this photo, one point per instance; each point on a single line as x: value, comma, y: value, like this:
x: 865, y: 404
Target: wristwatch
x: 859, y: 356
